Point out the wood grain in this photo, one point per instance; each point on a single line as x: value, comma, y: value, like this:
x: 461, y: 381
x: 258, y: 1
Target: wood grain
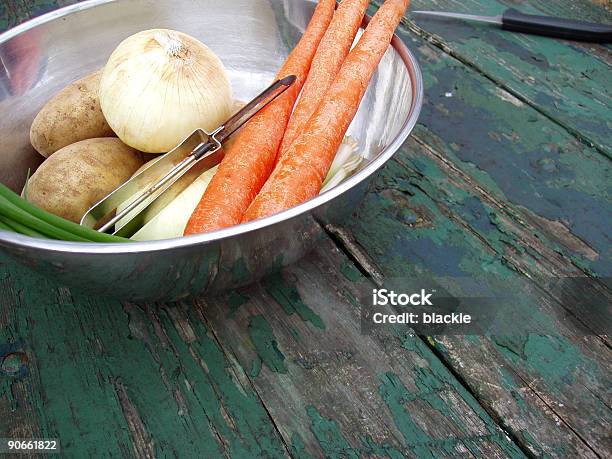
x: 300, y: 332
x: 565, y: 81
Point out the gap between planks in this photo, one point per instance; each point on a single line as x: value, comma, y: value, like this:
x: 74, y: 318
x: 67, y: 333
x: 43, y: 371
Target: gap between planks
x: 346, y: 243
x: 513, y: 217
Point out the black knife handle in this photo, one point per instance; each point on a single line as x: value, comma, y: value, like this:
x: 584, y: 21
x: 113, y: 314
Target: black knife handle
x: 568, y: 29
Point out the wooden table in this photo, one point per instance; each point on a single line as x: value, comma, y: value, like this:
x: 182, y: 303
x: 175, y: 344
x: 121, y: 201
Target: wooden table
x: 507, y: 175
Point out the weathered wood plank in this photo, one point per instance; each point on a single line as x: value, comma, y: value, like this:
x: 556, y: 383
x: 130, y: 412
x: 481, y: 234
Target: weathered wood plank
x: 518, y: 156
x: 568, y: 82
x: 524, y: 248
x: 117, y: 378
x: 319, y: 376
x: 401, y: 222
x: 14, y: 366
x: 169, y: 380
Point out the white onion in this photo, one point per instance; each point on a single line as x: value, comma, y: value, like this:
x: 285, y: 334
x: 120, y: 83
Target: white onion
x: 159, y: 86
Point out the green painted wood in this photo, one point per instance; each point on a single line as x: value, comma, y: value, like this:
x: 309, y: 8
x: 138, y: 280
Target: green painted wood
x: 118, y: 379
x: 568, y: 82
x: 536, y: 384
x: 201, y: 379
x: 482, y: 192
x: 527, y: 243
x: 14, y: 12
x: 519, y: 156
x: 319, y: 376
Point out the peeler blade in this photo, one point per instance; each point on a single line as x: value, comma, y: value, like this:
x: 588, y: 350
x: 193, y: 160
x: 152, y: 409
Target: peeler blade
x: 104, y: 215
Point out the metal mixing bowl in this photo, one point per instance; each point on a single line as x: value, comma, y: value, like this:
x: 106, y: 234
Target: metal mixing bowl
x: 252, y: 37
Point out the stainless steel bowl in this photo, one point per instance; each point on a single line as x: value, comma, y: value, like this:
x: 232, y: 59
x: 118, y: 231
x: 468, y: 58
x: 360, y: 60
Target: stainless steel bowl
x: 252, y: 37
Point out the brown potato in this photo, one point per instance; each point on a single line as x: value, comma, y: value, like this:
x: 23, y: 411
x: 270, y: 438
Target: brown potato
x: 79, y: 175
x: 74, y: 114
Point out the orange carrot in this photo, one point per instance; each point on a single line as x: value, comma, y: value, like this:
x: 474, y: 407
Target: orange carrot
x: 332, y: 51
x: 299, y: 174
x: 251, y: 158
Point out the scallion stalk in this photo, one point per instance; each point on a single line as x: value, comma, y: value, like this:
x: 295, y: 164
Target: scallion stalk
x: 19, y: 228
x: 61, y: 228
x: 5, y: 227
x: 16, y: 214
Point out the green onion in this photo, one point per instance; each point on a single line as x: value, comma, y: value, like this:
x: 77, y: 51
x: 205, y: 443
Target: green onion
x: 19, y: 228
x: 17, y: 208
x: 5, y: 227
x: 8, y: 209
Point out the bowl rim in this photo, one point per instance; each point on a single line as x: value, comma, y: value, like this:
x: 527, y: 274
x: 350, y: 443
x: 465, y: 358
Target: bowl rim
x: 416, y: 78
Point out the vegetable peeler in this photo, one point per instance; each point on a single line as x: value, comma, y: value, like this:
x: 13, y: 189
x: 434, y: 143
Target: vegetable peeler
x: 549, y: 26
x: 143, y: 196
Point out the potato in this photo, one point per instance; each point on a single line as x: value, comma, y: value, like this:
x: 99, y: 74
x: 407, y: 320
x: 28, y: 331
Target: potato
x: 74, y: 114
x: 79, y: 175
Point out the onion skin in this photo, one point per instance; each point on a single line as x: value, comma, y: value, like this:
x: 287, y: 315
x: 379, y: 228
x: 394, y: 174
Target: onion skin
x: 159, y: 86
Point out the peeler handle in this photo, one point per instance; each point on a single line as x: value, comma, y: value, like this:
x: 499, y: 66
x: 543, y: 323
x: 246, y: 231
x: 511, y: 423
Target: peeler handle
x: 568, y: 29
